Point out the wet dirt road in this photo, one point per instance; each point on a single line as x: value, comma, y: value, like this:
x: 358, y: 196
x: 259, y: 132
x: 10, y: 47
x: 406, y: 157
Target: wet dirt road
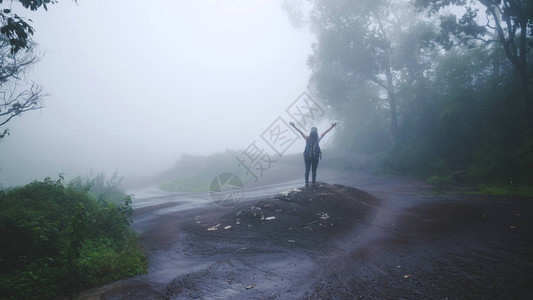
x: 362, y: 236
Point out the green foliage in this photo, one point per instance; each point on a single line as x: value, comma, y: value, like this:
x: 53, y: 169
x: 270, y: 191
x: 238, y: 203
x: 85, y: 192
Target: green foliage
x: 473, y: 124
x: 17, y: 29
x: 56, y: 239
x: 351, y: 64
x: 461, y: 88
x: 98, y: 186
x: 505, y: 190
x: 103, y: 260
x: 408, y: 157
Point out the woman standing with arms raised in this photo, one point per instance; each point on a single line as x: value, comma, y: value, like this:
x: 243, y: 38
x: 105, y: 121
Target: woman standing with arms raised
x: 312, y: 151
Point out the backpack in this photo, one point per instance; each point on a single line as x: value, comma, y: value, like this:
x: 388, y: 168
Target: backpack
x: 312, y: 148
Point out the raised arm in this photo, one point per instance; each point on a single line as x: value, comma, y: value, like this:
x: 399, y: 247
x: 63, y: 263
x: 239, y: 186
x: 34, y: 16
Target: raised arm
x: 332, y: 125
x: 292, y: 124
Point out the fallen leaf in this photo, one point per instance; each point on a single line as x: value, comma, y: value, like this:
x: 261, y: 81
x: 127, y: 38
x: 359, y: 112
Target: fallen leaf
x: 213, y: 228
x: 512, y: 227
x: 407, y: 275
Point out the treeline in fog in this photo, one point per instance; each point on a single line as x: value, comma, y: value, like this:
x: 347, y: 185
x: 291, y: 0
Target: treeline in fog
x: 439, y: 89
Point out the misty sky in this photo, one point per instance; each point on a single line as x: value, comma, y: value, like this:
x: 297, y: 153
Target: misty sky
x: 135, y: 84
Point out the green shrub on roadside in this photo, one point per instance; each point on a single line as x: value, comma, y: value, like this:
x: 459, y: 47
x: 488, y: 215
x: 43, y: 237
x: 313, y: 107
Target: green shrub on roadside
x: 58, y: 240
x: 101, y: 260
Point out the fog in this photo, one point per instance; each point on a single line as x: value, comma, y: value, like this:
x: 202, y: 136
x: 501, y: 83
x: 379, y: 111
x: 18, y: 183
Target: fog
x: 134, y: 84
x: 428, y: 110
x: 133, y: 87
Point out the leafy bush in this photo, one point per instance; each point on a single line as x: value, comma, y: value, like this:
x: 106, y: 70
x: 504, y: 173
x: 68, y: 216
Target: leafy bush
x: 411, y: 157
x: 98, y: 186
x: 59, y: 240
x: 103, y: 260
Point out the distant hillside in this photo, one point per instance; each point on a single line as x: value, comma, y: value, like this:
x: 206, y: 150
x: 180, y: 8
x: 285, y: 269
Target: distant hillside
x: 193, y: 173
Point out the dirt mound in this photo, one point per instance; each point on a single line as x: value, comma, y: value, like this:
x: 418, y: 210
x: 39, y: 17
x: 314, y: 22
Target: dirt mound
x: 300, y: 217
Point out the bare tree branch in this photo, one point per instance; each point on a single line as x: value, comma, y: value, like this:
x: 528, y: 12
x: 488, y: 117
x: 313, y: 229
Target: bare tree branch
x: 379, y: 82
x: 26, y: 100
x: 17, y: 95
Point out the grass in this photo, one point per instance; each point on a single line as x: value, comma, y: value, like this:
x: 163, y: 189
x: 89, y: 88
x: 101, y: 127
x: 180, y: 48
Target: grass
x: 192, y: 184
x: 505, y: 190
x: 483, y: 189
x: 194, y: 173
x: 438, y: 180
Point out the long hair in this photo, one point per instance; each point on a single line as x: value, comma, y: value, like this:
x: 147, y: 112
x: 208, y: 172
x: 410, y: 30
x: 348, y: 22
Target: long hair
x: 313, y: 134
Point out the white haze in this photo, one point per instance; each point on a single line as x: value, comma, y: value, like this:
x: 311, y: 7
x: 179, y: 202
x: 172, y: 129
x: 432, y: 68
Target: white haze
x: 135, y: 84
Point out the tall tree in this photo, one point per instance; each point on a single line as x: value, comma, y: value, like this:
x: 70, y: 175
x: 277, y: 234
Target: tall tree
x: 451, y: 85
x: 506, y: 22
x: 359, y: 40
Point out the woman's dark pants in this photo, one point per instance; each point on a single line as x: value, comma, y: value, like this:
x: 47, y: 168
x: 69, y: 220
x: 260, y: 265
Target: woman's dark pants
x: 310, y: 163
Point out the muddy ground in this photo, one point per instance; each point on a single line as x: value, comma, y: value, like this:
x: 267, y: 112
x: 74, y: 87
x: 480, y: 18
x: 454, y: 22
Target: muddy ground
x: 389, y: 238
